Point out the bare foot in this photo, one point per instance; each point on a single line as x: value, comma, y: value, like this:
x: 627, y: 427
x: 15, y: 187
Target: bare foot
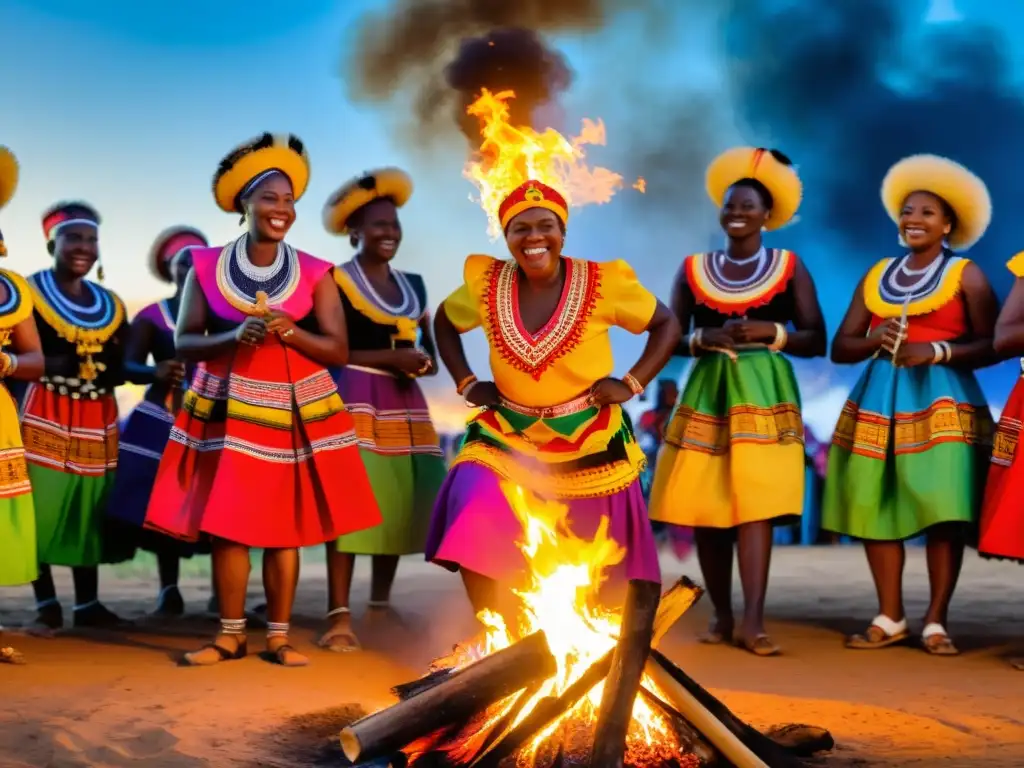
x: 339, y: 636
x: 282, y: 653
x: 384, y: 614
x: 223, y: 648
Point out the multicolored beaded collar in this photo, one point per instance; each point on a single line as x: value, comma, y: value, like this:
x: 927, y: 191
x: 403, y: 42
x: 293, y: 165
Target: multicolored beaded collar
x: 706, y: 277
x: 239, y: 280
x: 16, y: 307
x: 87, y: 326
x: 358, y: 289
x: 925, y: 290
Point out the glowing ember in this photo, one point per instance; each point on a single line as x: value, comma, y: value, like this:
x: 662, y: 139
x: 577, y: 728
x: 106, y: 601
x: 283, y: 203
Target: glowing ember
x: 509, y: 155
x: 564, y: 576
x: 640, y: 185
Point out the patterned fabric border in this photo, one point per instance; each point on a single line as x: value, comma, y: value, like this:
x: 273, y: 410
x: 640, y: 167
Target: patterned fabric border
x: 945, y: 421
x: 1007, y: 437
x: 695, y: 431
x: 13, y: 473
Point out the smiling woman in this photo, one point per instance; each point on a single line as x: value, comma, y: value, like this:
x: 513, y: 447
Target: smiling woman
x: 911, y: 447
x: 263, y: 322
x: 553, y: 421
x: 732, y: 463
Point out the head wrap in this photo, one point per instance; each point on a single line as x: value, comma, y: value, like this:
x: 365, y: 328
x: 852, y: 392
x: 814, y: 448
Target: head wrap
x: 249, y: 164
x: 532, y: 194
x: 960, y: 189
x: 8, y: 183
x: 761, y: 165
x: 167, y: 245
x: 70, y: 213
x: 391, y: 183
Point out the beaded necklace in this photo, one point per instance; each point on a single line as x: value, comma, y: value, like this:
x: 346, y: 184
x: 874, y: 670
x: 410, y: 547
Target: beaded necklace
x: 89, y: 327
x: 922, y: 281
x: 16, y: 307
x: 706, y: 276
x: 239, y: 280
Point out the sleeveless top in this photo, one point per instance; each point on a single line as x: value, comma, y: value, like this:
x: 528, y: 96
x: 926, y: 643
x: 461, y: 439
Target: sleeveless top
x: 373, y: 324
x: 217, y: 272
x: 86, y: 330
x: 936, y: 310
x: 769, y: 296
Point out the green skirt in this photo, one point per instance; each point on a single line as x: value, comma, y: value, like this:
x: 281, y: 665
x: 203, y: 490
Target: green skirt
x: 911, y: 450
x: 405, y: 488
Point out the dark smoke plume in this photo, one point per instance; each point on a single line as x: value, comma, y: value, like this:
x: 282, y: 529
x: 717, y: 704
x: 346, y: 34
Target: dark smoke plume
x: 850, y: 88
x: 445, y: 51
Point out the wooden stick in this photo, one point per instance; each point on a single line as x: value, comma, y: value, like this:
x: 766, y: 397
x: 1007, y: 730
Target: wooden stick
x: 674, y: 603
x: 456, y: 699
x: 692, y: 740
x: 742, y: 744
x: 623, y: 680
x: 685, y: 594
x: 735, y: 751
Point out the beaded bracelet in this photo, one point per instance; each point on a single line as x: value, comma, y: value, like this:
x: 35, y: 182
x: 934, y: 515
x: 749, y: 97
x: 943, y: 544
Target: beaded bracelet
x: 634, y: 384
x: 461, y: 387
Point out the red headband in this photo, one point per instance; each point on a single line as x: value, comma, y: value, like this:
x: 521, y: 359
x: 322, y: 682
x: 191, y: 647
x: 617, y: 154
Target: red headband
x: 170, y: 247
x: 53, y: 222
x: 532, y: 194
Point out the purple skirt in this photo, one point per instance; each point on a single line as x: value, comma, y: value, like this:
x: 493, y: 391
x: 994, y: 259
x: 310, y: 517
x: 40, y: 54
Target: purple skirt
x: 473, y: 527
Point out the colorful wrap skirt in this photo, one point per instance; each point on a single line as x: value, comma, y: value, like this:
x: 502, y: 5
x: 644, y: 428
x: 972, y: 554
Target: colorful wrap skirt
x: 143, y: 440
x: 264, y: 454
x: 588, y: 460
x: 18, y: 556
x: 734, y: 448
x: 910, y: 450
x: 71, y: 447
x: 1001, y: 532
x: 402, y: 456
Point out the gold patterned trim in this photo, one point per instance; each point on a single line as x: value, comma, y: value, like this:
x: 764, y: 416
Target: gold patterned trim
x: 869, y: 434
x: 406, y: 328
x: 715, y: 435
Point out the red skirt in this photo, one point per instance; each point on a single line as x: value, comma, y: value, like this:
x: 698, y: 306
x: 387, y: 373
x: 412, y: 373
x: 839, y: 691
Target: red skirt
x: 262, y: 453
x: 1002, y: 515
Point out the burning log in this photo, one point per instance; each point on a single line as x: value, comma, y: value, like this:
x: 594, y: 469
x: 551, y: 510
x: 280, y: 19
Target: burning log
x: 742, y: 745
x: 623, y: 680
x: 454, y: 699
x: 682, y: 596
x: 688, y: 736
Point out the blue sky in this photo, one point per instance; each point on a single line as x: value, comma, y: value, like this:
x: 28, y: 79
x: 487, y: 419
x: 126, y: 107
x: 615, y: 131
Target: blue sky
x: 131, y: 105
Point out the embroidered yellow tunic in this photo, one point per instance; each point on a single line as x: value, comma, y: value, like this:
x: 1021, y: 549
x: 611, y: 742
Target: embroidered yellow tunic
x: 552, y: 367
x: 573, y: 350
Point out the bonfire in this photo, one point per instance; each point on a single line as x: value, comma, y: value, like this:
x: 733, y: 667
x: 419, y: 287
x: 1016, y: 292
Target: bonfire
x: 572, y: 683
x: 563, y: 680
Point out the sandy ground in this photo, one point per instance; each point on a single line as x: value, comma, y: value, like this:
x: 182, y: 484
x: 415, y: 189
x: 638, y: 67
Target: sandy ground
x: 120, y: 701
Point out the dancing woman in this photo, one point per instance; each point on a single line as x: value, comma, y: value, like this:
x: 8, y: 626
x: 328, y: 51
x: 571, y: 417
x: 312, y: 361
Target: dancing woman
x: 1002, y: 518
x: 911, y: 448
x: 69, y: 421
x: 21, y: 357
x: 386, y: 315
x: 149, y: 425
x: 732, y: 465
x: 554, y: 422
x: 262, y: 453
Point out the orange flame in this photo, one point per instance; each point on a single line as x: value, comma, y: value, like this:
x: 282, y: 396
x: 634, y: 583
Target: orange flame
x: 564, y: 576
x: 510, y: 155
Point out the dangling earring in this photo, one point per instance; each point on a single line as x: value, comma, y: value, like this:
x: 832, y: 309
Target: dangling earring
x: 901, y: 241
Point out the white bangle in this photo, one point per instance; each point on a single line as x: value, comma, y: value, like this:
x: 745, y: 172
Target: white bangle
x: 937, y: 353
x: 947, y: 351
x: 781, y: 337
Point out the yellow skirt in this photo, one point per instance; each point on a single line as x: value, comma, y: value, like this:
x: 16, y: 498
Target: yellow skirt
x: 18, y: 557
x: 734, y: 449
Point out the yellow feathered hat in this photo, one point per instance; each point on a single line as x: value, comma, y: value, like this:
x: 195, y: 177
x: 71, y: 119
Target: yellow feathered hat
x: 962, y: 191
x: 8, y: 183
x: 392, y: 183
x: 246, y: 164
x: 767, y: 166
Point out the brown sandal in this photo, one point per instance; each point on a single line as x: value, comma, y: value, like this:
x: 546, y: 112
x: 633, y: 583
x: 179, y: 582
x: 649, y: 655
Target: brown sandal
x: 762, y: 645
x: 881, y: 633
x: 280, y: 656
x: 936, y: 641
